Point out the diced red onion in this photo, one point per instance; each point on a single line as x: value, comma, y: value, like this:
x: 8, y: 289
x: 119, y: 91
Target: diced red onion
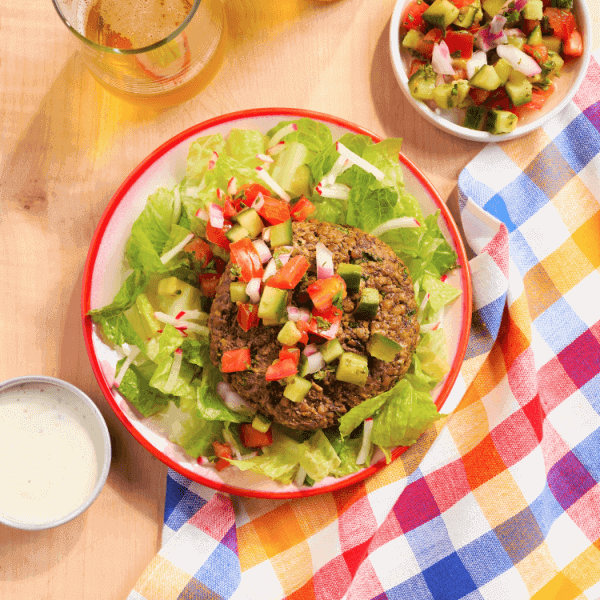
x: 232, y: 399
x: 130, y: 358
x: 258, y: 201
x: 167, y: 256
x: 360, y: 162
x: 514, y: 33
x: 519, y: 60
x: 365, y: 446
x: 175, y: 368
x: 298, y: 314
x: 253, y: 290
x: 284, y: 253
x: 202, y: 214
x: 399, y: 223
x: 263, y: 250
x: 266, y: 234
x: 324, y: 261
x: 486, y: 40
x: 315, y: 362
x: 270, y: 270
x: 215, y: 214
x: 478, y: 60
x: 497, y: 24
x: 310, y: 350
x: 441, y: 61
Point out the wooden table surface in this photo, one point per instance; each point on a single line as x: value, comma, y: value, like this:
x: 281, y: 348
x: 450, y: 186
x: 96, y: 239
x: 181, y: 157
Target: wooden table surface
x: 66, y: 145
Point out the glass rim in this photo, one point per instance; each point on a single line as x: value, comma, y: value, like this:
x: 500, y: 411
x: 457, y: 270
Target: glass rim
x: 129, y: 51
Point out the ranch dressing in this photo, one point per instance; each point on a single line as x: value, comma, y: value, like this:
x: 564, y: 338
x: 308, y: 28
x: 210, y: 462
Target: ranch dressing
x: 48, y: 462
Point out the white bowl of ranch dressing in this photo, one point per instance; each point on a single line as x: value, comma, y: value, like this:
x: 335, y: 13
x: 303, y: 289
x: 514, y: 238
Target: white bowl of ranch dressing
x: 55, y: 452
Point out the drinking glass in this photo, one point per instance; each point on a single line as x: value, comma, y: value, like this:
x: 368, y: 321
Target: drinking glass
x: 170, y: 70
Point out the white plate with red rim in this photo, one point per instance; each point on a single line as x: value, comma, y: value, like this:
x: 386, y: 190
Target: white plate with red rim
x: 567, y: 84
x: 105, y: 270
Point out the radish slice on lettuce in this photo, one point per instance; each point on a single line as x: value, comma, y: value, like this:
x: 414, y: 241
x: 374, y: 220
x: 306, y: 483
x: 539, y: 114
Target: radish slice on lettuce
x: 339, y: 191
x: 167, y: 256
x: 519, y: 60
x: 272, y: 184
x: 441, y: 61
x: 265, y: 158
x: 180, y: 324
x: 478, y: 60
x: 398, y: 223
x: 359, y: 162
x: 276, y: 149
x: 130, y: 358
x: 324, y: 261
x: 279, y: 135
x: 212, y: 161
x: 202, y: 214
x: 339, y: 166
x: 232, y: 187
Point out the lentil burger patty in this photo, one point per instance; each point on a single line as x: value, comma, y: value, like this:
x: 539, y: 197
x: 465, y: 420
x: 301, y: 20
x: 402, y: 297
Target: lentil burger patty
x: 328, y: 399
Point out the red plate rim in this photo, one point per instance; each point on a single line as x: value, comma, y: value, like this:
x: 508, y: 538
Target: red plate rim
x: 126, y: 186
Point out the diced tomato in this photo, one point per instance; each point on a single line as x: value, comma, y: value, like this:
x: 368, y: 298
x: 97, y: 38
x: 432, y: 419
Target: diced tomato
x: 323, y: 291
x: 460, y: 41
x: 236, y: 360
x: 413, y: 15
x: 425, y: 46
x: 499, y: 100
x: 247, y: 316
x: 253, y: 438
x: 274, y: 211
x: 306, y: 328
x: 538, y: 99
x: 539, y: 52
x: 217, y: 236
x: 289, y: 276
x: 246, y: 257
x: 415, y: 65
x: 561, y: 21
x: 479, y: 96
x: 302, y: 209
x: 574, y: 45
x: 201, y: 251
x: 251, y: 190
x: 529, y: 25
x: 281, y: 369
x: 222, y: 452
x: 290, y: 352
x: 461, y: 3
x: 333, y: 314
x: 220, y: 265
x: 208, y: 284
x: 229, y: 209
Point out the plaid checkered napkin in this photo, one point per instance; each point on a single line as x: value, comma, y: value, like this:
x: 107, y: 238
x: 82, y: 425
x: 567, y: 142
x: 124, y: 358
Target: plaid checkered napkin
x: 500, y: 500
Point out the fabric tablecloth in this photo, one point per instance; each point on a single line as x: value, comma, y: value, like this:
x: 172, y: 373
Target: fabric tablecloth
x: 500, y: 500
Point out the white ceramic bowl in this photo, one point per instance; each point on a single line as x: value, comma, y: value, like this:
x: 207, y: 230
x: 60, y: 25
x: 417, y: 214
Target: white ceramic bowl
x: 45, y: 487
x: 448, y: 120
x: 104, y: 272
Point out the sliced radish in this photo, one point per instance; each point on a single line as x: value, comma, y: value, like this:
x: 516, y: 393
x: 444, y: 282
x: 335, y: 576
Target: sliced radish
x: 232, y: 399
x: 232, y: 186
x: 175, y: 368
x: 212, y: 161
x: 339, y: 166
x: 181, y: 325
x: 358, y: 161
x: 265, y: 158
x: 300, y: 476
x: 253, y: 290
x: 167, y: 256
x: 270, y: 270
x: 441, y: 61
x: 258, y: 201
x: 478, y: 60
x: 276, y: 149
x: 133, y: 352
x: 519, y: 60
x: 315, y: 362
x: 263, y: 250
x: 279, y: 135
x: 339, y: 191
x: 273, y: 184
x: 202, y: 214
x: 310, y: 350
x: 189, y: 314
x: 324, y: 261
x: 399, y: 223
x: 219, y: 194
x: 365, y: 447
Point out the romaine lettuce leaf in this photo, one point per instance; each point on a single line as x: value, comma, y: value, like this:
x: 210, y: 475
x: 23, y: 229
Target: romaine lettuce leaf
x: 200, y: 153
x: 318, y: 457
x: 244, y: 144
x: 135, y: 387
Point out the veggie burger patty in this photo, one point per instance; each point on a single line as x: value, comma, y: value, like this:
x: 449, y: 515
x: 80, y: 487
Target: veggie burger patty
x: 328, y: 398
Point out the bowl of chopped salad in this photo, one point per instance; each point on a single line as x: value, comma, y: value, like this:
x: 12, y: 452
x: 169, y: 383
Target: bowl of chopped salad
x: 490, y: 70
x: 276, y: 303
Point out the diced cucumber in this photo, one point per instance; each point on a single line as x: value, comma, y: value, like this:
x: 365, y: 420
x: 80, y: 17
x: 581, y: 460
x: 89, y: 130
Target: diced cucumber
x: 422, y: 83
x: 351, y: 274
x: 492, y: 7
x: 562, y: 4
x: 485, y: 79
x: 331, y: 350
x: 503, y: 68
x: 518, y: 88
x: 466, y: 16
x: 552, y: 43
x: 382, y: 347
x: 557, y: 60
x: 250, y: 220
x: 500, y: 121
x: 533, y: 10
x: 535, y: 37
x: 368, y: 304
x: 451, y: 95
x: 272, y: 305
x: 261, y: 423
x: 303, y: 366
x: 353, y: 368
x: 237, y: 292
x: 236, y: 233
x: 412, y: 39
x: 475, y: 117
x: 289, y: 334
x: 282, y: 234
x: 441, y: 14
x: 297, y: 388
